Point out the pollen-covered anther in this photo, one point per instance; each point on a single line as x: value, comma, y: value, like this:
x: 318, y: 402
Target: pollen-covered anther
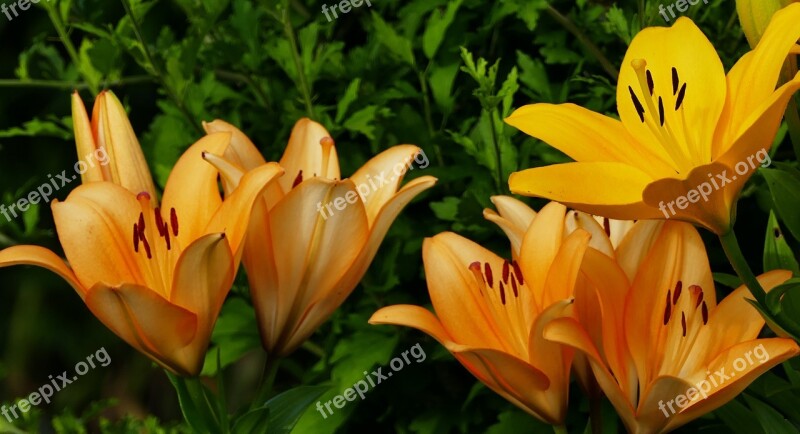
x: 668, y: 309
x: 697, y: 294
x: 506, y: 270
x: 677, y: 294
x: 488, y: 272
x: 502, y: 293
x: 298, y: 179
x: 518, y: 272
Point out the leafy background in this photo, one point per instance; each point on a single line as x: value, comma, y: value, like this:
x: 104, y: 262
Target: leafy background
x: 393, y: 72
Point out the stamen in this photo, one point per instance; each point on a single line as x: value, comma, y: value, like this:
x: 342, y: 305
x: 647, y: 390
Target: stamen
x: 668, y: 309
x: 327, y: 144
x: 141, y: 224
x: 683, y: 323
x: 681, y: 94
x: 661, y: 111
x: 173, y: 221
x: 298, y: 179
x: 505, y: 272
x: 518, y: 272
x: 147, y: 247
x: 162, y: 229
x: 607, y: 226
x: 502, y: 293
x: 637, y: 104
x: 514, y: 286
x: 475, y: 267
x: 135, y: 238
x: 650, y: 83
x: 678, y: 289
x: 488, y: 272
x: 698, y: 291
x: 675, y: 81
x: 704, y: 310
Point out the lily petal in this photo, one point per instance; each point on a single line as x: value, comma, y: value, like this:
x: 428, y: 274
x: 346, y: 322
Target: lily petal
x: 413, y: 316
x: 381, y: 176
x: 41, y: 257
x: 84, y: 139
x: 305, y: 155
x: 578, y: 186
x: 142, y: 318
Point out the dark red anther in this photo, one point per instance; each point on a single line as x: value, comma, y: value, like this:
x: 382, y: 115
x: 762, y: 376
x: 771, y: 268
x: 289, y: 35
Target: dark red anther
x: 166, y: 238
x: 505, y: 272
x: 488, y: 273
x: 705, y: 313
x: 698, y: 291
x: 160, y: 222
x: 173, y: 221
x: 135, y: 238
x: 518, y: 272
x: 668, y: 309
x: 147, y: 248
x: 502, y: 293
x: 683, y: 323
x: 514, y: 286
x: 298, y: 179
x: 607, y: 226
x: 678, y: 289
x: 141, y: 225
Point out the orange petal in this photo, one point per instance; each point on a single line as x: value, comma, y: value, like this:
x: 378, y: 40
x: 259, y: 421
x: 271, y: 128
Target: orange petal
x: 192, y: 187
x: 377, y: 181
x: 305, y: 153
x: 95, y: 227
x: 412, y: 316
x: 149, y: 323
x: 40, y: 257
x: 540, y: 247
x: 513, y: 217
x: 84, y: 139
x: 241, y: 151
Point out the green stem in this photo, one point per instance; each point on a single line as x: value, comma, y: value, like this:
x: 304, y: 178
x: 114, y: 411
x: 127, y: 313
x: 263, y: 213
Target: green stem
x: 157, y: 71
x: 288, y: 30
x: 55, y: 84
x: 426, y: 105
x: 587, y: 43
x: 52, y: 12
x: 497, y: 152
x: 268, y: 379
x: 560, y: 429
x: 262, y: 98
x: 731, y: 246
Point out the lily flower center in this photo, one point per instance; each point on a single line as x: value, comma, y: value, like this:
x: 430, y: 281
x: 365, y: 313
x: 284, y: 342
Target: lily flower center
x: 156, y: 239
x: 507, y: 303
x: 685, y: 313
x: 665, y: 116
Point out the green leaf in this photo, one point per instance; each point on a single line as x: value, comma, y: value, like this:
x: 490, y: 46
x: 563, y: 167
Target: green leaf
x: 194, y: 404
x: 285, y: 409
x: 729, y: 280
x: 772, y: 421
x: 235, y: 334
x: 397, y: 45
x: 350, y: 95
x: 738, y: 418
x: 437, y: 27
x: 447, y: 209
x: 777, y: 253
x: 442, y: 79
x: 785, y: 188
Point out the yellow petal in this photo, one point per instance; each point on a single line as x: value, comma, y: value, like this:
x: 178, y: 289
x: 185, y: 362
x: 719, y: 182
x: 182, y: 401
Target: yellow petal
x: 377, y: 181
x: 233, y: 216
x: 95, y: 227
x: 586, y: 136
x: 192, y: 187
x: 635, y: 245
x: 685, y: 48
x: 114, y: 132
x: 305, y: 153
x: 613, y: 190
x: 40, y: 257
x: 148, y: 322
x: 752, y: 80
x: 84, y: 139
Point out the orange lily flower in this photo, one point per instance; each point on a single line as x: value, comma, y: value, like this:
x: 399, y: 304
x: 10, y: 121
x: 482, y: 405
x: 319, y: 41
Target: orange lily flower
x: 688, y: 139
x: 110, y: 131
x: 155, y: 278
x: 659, y: 345
x: 313, y: 236
x: 490, y: 312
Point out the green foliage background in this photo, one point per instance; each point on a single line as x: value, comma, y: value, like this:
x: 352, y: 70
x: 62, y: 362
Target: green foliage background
x: 377, y: 76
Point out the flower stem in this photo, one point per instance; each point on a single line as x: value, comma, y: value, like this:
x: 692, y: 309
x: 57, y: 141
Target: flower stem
x: 583, y: 39
x: 267, y: 380
x: 302, y: 83
x: 731, y: 246
x: 498, y: 153
x: 55, y: 18
x: 560, y: 429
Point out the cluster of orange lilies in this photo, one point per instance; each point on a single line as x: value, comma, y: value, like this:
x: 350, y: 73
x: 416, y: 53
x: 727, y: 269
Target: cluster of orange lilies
x: 629, y: 307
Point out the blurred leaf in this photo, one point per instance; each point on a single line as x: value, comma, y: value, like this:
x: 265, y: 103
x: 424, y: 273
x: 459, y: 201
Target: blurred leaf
x: 771, y: 420
x: 777, y: 253
x: 785, y: 188
x: 438, y: 24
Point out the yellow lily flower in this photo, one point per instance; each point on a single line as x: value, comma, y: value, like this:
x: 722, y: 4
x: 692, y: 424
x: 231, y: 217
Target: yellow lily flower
x: 313, y: 236
x: 157, y: 277
x: 684, y: 127
x: 111, y: 132
x: 659, y: 345
x: 490, y: 312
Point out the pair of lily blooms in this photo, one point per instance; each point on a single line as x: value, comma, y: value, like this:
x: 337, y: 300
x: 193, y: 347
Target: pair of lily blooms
x: 631, y: 305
